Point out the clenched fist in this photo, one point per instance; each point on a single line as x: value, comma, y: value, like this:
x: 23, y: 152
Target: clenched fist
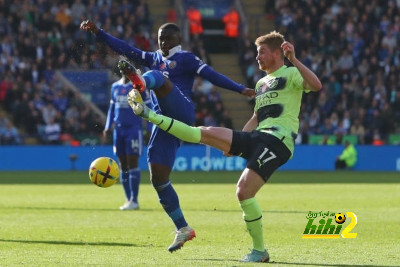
x: 89, y: 26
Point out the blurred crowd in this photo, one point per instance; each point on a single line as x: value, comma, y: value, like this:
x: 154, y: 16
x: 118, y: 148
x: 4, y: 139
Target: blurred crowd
x: 353, y: 48
x: 351, y: 45
x: 39, y: 37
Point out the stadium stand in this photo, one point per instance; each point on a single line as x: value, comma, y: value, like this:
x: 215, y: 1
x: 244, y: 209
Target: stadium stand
x: 353, y: 48
x: 351, y: 45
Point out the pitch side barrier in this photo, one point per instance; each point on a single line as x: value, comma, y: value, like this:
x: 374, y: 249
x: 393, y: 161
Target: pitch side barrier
x: 194, y: 158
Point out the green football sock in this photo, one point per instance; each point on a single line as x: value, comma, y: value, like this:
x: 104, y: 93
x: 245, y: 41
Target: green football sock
x: 176, y: 128
x: 252, y: 216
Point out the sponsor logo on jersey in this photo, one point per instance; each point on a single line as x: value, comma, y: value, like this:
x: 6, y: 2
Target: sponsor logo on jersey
x: 272, y: 83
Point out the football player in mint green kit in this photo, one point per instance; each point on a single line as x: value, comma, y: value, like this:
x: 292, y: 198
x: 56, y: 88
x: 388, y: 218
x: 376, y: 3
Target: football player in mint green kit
x: 267, y: 139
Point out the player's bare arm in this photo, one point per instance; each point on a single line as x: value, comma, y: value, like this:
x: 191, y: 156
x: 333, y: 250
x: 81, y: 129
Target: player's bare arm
x: 251, y: 123
x: 311, y: 81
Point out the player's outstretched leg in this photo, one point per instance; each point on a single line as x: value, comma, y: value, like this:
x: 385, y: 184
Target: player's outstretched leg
x: 179, y: 129
x: 135, y: 100
x: 182, y: 236
x: 133, y: 74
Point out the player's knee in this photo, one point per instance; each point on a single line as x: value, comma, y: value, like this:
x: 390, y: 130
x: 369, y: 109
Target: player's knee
x: 205, y: 130
x: 158, y: 179
x: 241, y: 193
x: 154, y: 79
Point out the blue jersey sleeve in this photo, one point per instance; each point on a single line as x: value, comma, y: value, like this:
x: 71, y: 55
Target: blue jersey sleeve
x: 192, y: 63
x: 122, y: 47
x: 219, y: 80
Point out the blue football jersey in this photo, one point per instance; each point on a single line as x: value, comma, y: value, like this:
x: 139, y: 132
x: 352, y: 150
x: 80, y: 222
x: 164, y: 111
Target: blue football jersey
x: 119, y: 111
x: 179, y: 66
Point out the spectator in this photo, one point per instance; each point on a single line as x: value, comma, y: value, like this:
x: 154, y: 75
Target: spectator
x: 5, y: 85
x: 3, y: 120
x: 199, y: 50
x: 269, y: 9
x: 78, y: 9
x: 389, y: 40
x: 60, y: 101
x: 327, y: 128
x: 9, y: 135
x: 195, y: 23
x: 202, y: 85
x: 348, y: 158
x: 226, y: 120
x: 345, y: 62
x: 32, y: 119
x: 232, y: 21
x: 49, y: 113
x: 358, y: 129
x: 171, y: 15
x: 52, y: 132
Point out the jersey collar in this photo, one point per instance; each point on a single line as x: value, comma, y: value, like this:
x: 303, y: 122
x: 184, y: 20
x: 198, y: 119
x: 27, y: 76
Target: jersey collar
x: 278, y: 70
x: 173, y: 51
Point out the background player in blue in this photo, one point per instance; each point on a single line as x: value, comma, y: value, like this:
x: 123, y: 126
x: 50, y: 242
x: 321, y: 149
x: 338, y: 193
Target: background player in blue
x: 127, y: 140
x: 180, y: 67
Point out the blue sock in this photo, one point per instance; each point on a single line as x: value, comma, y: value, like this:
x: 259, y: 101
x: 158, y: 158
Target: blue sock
x: 154, y: 79
x: 134, y: 181
x: 125, y: 184
x: 170, y: 202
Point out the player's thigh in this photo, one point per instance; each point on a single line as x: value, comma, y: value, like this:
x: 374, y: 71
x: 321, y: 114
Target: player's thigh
x: 162, y: 148
x: 132, y: 161
x: 177, y: 106
x: 123, y: 162
x: 118, y: 143
x: 218, y: 137
x: 133, y: 142
x: 267, y: 155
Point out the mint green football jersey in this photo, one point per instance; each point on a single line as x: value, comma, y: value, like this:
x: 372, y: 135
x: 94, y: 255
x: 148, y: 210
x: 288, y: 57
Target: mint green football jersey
x: 278, y: 100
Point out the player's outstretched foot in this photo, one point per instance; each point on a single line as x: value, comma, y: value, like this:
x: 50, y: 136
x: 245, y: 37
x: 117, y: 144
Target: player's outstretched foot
x: 136, y: 102
x: 133, y: 74
x: 256, y: 256
x: 182, y: 236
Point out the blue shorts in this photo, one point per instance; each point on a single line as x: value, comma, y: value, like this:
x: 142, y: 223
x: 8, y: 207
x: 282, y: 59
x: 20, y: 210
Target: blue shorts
x: 127, y: 141
x: 162, y: 145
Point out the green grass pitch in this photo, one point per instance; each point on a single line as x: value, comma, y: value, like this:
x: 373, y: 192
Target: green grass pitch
x: 61, y: 219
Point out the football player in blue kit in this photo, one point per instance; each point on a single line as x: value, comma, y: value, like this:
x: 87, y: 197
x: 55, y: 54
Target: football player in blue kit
x: 170, y: 65
x: 127, y: 139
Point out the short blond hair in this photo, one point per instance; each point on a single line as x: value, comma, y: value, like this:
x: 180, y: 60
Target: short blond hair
x: 273, y: 40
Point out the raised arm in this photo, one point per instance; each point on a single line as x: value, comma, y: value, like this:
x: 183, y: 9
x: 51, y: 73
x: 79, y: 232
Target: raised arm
x: 119, y: 46
x: 221, y: 80
x: 311, y: 81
